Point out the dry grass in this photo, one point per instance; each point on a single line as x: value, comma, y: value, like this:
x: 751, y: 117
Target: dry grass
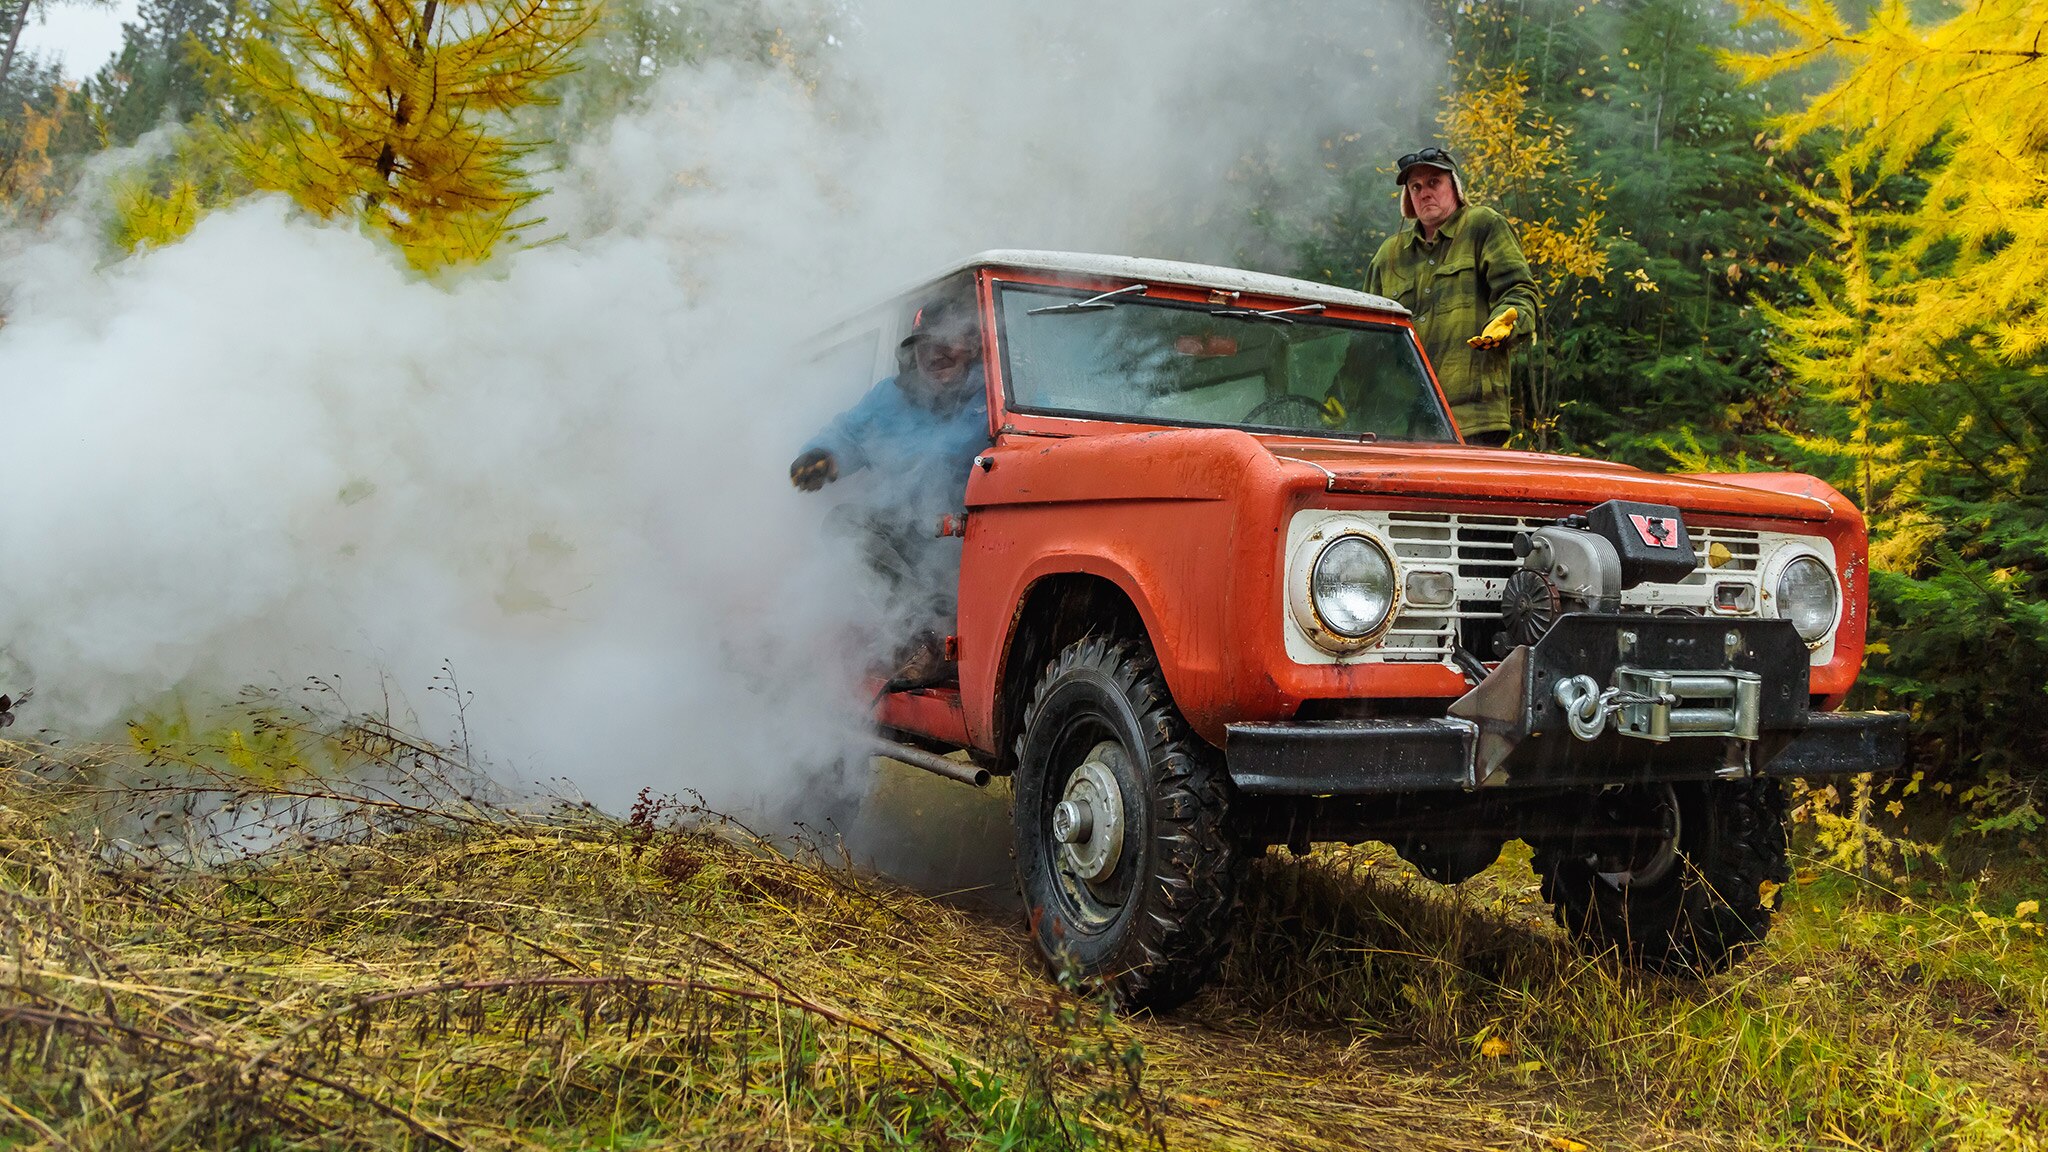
x: 304, y: 960
x: 1873, y: 1019
x: 214, y: 943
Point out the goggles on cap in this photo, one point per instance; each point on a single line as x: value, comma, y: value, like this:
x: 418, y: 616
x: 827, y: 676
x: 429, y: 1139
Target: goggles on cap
x: 1432, y: 156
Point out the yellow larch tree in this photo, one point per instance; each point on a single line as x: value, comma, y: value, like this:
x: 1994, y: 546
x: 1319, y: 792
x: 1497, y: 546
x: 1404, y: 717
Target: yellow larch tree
x: 1924, y: 344
x: 398, y: 112
x: 1961, y: 105
x: 1935, y: 293
x: 151, y: 208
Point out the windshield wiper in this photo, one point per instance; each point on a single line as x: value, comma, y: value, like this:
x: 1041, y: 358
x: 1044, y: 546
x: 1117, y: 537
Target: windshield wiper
x: 1277, y: 315
x: 1092, y: 304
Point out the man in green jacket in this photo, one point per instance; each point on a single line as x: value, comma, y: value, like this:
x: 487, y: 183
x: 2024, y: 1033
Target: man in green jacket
x: 1461, y: 272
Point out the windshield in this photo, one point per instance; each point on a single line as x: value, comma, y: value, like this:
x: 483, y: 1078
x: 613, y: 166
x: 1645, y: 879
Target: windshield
x: 1161, y: 361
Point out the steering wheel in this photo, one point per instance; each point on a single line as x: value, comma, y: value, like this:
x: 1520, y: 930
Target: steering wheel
x: 1276, y: 403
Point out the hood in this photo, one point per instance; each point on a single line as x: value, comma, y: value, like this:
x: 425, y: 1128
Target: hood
x: 1453, y: 472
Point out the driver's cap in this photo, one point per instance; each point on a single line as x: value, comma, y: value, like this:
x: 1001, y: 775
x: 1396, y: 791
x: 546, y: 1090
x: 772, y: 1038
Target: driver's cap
x: 946, y: 319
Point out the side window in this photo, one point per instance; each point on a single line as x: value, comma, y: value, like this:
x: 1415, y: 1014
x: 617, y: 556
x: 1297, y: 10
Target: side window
x: 847, y: 364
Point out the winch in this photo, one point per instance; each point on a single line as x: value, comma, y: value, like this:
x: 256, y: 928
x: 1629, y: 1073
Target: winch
x: 1583, y: 563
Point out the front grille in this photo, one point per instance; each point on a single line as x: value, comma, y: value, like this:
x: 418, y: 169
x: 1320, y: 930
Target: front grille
x: 1745, y: 551
x: 1480, y: 551
x: 1482, y: 547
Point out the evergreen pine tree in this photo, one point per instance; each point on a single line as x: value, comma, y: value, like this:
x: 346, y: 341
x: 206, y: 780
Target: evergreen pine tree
x: 159, y: 74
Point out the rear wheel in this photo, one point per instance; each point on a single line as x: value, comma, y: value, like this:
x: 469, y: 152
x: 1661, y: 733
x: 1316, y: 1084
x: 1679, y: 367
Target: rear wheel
x: 1689, y: 890
x: 1123, y: 857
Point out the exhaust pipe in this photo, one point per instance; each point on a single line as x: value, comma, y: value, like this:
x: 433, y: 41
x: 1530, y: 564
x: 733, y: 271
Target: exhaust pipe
x: 935, y: 764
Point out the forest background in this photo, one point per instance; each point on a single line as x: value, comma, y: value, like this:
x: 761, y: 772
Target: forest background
x: 1770, y: 237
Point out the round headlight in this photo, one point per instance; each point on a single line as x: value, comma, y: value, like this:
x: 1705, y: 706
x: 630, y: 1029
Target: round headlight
x: 1352, y: 586
x: 1807, y: 596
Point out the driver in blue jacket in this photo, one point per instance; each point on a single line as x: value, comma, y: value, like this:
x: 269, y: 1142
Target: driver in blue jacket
x: 918, y: 432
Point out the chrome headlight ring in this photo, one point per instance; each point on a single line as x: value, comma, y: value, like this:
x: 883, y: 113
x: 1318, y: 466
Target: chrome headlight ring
x: 1343, y: 587
x: 1800, y: 584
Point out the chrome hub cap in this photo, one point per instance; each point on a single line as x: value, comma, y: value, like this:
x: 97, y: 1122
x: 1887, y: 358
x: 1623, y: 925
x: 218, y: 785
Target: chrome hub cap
x: 1088, y: 822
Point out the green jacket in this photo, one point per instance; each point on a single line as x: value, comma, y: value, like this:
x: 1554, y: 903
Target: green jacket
x: 1455, y: 285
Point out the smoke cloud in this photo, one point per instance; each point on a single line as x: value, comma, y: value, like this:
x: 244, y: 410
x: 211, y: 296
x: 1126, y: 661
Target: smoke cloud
x: 269, y: 452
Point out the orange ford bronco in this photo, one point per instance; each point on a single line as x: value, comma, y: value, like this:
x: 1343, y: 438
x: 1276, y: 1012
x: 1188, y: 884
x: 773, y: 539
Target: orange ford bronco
x: 1229, y: 578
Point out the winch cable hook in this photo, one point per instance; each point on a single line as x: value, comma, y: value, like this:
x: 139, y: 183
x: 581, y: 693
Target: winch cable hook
x: 1587, y: 706
x: 1584, y: 710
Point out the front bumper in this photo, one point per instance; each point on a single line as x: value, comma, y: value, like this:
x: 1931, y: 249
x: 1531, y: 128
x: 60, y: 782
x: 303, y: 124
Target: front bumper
x: 1382, y: 757
x: 1725, y: 700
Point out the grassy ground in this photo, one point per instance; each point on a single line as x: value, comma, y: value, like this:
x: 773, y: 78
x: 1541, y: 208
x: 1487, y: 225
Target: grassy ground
x: 399, y: 962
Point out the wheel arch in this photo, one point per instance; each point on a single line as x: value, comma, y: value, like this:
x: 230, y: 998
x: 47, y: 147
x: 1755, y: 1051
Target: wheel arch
x: 1056, y: 609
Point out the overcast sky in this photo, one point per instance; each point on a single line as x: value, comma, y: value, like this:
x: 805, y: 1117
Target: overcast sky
x: 83, y: 35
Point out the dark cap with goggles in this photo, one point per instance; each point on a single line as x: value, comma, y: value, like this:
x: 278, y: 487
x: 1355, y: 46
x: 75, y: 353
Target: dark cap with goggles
x: 944, y: 320
x: 1426, y: 158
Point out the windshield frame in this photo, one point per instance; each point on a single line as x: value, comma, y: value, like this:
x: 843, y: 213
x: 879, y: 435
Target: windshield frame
x: 1067, y: 422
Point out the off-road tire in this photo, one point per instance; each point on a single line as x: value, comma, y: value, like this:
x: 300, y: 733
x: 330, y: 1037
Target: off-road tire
x: 1157, y: 946
x: 1699, y: 917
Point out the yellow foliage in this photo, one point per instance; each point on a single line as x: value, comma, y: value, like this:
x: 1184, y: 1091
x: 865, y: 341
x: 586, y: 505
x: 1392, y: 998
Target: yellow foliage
x: 28, y: 187
x: 1963, y: 103
x: 1925, y: 298
x: 1504, y: 145
x: 1845, y: 832
x: 1516, y: 159
x: 265, y: 746
x: 395, y: 111
x: 145, y: 216
x: 157, y: 200
x: 1577, y: 251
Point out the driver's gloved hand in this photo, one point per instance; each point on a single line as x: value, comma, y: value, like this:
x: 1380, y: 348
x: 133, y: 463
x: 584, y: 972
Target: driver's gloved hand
x: 813, y: 470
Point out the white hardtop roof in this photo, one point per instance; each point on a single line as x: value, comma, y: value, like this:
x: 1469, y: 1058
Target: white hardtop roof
x: 1176, y: 272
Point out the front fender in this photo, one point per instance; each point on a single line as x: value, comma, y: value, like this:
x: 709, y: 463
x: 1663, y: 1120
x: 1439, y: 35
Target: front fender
x: 1181, y: 521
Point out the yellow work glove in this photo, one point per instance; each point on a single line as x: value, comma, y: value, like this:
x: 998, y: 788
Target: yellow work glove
x: 1333, y: 412
x: 1498, y: 332
x: 813, y: 470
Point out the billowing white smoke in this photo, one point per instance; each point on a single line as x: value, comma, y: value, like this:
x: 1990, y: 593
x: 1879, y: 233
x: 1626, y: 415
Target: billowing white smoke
x: 268, y: 452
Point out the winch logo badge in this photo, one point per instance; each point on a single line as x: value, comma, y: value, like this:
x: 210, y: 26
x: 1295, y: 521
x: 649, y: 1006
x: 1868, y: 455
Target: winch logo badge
x: 1656, y: 531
